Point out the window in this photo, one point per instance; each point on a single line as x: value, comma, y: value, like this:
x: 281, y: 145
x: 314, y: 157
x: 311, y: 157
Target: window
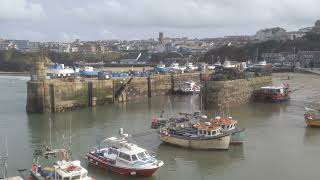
x: 147, y: 154
x: 112, y: 151
x: 134, y: 157
x: 213, y: 133
x: 141, y: 155
x: 209, y: 133
x: 204, y: 132
x: 75, y: 177
x: 124, y: 156
x: 200, y: 131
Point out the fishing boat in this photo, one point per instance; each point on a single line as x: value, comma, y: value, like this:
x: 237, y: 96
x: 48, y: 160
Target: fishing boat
x: 200, y: 136
x: 122, y: 157
x: 61, y: 169
x: 312, y: 118
x: 229, y: 125
x: 189, y: 87
x: 190, y: 67
x: 273, y: 93
x: 161, y: 68
x: 88, y: 71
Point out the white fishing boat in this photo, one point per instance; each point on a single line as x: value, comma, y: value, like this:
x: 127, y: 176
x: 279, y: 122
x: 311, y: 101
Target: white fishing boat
x: 211, y: 67
x: 123, y: 157
x: 189, y: 87
x: 62, y: 169
x: 174, y: 67
x: 190, y: 67
x: 56, y: 164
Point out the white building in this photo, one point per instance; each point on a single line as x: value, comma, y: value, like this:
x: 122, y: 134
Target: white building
x: 276, y: 33
x: 295, y: 35
x: 75, y: 49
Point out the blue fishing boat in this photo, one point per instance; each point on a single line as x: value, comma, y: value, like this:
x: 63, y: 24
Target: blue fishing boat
x: 161, y: 68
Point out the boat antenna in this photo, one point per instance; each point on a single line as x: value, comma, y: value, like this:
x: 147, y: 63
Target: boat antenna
x: 170, y: 105
x: 201, y: 102
x: 192, y: 102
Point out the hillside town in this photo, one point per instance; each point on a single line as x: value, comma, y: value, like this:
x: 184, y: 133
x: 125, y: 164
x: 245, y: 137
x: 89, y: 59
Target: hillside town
x: 185, y: 49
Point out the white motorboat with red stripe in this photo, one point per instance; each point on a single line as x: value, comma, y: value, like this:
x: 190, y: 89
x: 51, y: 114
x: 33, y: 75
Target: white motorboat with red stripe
x: 124, y: 158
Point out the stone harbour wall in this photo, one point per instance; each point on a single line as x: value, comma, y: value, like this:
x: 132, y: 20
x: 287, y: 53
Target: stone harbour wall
x: 231, y: 93
x: 58, y: 95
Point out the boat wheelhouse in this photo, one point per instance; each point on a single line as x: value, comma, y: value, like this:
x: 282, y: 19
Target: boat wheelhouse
x: 312, y: 118
x: 273, y: 93
x: 229, y: 125
x: 124, y: 158
x: 62, y: 169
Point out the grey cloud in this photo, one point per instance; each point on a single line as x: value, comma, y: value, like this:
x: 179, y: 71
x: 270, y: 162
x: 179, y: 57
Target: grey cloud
x: 14, y: 10
x: 125, y: 19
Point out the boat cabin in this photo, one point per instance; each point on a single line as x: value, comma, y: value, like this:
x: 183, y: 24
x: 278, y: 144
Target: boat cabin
x: 70, y: 171
x: 125, y: 153
x: 226, y: 124
x: 207, y: 129
x: 273, y: 89
x: 61, y: 170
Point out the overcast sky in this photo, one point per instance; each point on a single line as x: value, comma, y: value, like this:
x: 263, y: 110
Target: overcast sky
x: 67, y: 20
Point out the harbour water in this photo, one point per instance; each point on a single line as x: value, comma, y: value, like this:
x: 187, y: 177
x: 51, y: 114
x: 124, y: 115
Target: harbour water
x: 278, y: 146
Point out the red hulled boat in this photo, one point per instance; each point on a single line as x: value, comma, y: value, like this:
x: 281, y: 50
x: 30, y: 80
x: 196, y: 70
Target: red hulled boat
x: 124, y: 158
x: 273, y: 93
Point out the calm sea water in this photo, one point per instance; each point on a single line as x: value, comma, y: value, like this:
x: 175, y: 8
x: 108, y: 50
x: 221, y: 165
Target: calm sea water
x: 278, y: 146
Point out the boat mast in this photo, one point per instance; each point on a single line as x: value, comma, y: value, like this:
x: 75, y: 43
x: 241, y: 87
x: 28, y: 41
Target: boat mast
x: 257, y: 54
x: 200, y: 102
x: 50, y: 142
x: 5, y: 158
x: 70, y: 139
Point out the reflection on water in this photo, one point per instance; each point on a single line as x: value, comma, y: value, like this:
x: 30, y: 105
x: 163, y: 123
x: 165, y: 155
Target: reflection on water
x: 276, y: 137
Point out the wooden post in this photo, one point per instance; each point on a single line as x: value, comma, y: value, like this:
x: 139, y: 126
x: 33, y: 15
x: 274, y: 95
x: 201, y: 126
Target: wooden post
x: 149, y: 86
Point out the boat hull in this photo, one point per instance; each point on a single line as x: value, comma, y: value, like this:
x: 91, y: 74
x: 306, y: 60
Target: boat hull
x: 108, y: 165
x: 313, y: 122
x: 181, y: 92
x: 267, y: 97
x: 237, y: 137
x: 221, y: 143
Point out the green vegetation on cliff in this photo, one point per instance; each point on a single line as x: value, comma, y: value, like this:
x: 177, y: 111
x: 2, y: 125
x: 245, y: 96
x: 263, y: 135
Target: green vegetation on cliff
x: 15, y: 61
x: 311, y: 42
